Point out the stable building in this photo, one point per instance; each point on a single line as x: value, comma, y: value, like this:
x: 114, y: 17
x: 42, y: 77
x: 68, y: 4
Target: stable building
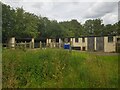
x: 84, y: 43
x: 90, y: 43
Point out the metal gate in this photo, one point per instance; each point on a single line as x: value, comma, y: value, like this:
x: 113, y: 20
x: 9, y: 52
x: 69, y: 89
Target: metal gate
x: 91, y: 44
x: 99, y: 43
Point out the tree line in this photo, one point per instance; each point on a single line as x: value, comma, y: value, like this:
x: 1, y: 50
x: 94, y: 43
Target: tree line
x: 21, y: 24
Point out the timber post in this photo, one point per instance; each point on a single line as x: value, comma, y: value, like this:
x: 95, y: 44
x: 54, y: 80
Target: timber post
x: 32, y: 42
x: 11, y: 42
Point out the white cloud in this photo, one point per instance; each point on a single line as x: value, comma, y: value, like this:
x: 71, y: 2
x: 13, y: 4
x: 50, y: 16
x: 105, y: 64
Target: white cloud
x: 60, y: 0
x: 100, y: 8
x: 110, y: 18
x: 119, y: 11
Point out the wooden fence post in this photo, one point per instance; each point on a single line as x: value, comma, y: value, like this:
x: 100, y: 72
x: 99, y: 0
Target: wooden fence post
x: 30, y: 45
x: 11, y: 43
x: 32, y: 42
x: 40, y: 44
x: 25, y: 44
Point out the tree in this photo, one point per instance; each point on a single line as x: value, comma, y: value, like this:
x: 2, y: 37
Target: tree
x: 18, y: 23
x: 93, y: 27
x: 26, y: 24
x: 76, y: 28
x: 66, y: 29
x: 55, y: 30
x: 43, y: 27
x: 111, y: 29
x: 30, y: 25
x: 72, y: 28
x: 116, y: 27
x: 8, y: 22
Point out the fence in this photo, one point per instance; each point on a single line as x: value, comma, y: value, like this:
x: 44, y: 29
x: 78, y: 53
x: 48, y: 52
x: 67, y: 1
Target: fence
x: 55, y: 45
x: 18, y: 45
x: 32, y: 45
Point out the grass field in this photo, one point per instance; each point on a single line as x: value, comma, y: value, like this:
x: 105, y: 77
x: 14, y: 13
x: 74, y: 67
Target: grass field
x: 57, y: 68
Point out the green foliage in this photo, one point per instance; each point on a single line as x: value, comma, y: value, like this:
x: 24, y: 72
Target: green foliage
x: 110, y: 29
x: 72, y: 28
x: 8, y: 21
x: 93, y: 27
x: 58, y: 68
x: 18, y: 23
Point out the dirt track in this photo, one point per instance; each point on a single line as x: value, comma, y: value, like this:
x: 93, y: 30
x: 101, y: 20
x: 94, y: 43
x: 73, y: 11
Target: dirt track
x: 104, y: 53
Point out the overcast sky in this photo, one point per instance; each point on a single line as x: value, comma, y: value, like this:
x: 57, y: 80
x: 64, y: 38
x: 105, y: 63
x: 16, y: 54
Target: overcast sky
x: 63, y: 10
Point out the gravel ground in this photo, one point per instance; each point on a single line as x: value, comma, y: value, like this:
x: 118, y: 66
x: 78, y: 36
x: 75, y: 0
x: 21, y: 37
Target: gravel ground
x: 104, y: 53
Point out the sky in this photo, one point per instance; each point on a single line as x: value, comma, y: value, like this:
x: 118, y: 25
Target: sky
x: 65, y: 10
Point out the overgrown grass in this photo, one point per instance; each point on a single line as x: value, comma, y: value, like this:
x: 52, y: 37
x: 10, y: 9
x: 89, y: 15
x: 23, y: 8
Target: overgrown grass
x: 57, y: 68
